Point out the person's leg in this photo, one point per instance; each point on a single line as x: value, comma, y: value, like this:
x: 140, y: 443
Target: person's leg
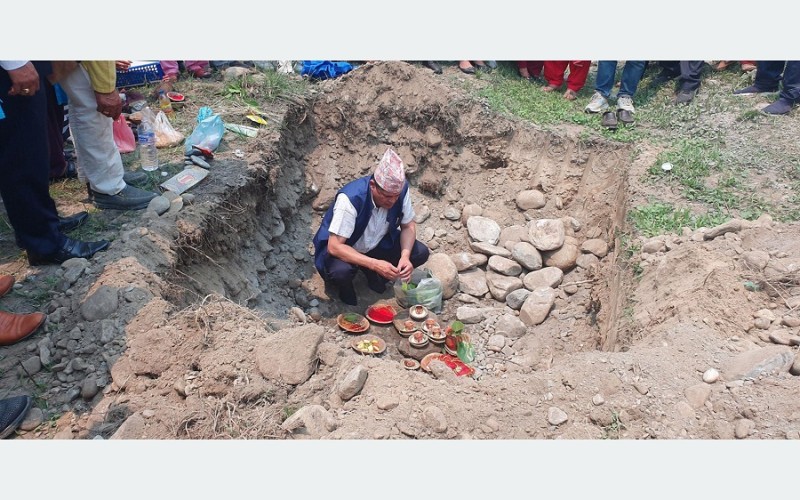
x: 535, y: 68
x: 604, y: 81
x: 554, y: 73
x: 578, y: 71
x: 340, y: 274
x: 98, y: 156
x: 632, y: 74
x: 690, y: 75
x: 198, y: 69
x: 522, y: 67
x: 170, y: 68
x: 791, y: 82
x: 55, y: 136
x: 768, y: 75
x: 24, y: 168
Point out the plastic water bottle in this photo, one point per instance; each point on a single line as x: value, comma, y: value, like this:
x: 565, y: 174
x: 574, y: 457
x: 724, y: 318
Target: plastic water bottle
x: 148, y: 156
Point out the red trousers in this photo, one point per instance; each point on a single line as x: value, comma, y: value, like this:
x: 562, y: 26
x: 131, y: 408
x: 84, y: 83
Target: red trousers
x: 534, y: 67
x: 578, y: 71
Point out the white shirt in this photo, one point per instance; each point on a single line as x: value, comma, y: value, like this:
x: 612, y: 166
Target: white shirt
x: 343, y: 222
x: 11, y: 65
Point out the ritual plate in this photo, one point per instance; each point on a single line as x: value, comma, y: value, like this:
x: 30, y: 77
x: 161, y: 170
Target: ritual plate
x: 410, y: 364
x: 418, y: 312
x: 381, y: 314
x: 368, y: 344
x: 352, y: 322
x: 459, y: 367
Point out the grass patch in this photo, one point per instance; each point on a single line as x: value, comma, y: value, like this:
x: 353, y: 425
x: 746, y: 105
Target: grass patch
x: 661, y: 218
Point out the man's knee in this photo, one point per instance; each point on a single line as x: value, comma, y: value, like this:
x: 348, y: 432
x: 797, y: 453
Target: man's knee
x: 420, y: 254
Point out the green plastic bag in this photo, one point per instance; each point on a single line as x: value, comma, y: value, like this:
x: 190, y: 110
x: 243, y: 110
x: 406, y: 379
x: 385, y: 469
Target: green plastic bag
x: 422, y: 289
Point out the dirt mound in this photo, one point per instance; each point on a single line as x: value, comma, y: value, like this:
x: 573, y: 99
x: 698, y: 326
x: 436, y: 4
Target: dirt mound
x: 211, y: 322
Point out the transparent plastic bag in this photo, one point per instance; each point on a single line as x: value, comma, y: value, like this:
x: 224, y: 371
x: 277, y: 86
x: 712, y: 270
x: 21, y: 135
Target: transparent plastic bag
x: 166, y: 136
x: 423, y: 288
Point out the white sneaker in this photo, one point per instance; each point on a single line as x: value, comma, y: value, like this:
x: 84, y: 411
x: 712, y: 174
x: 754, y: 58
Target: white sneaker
x: 597, y: 104
x: 625, y: 102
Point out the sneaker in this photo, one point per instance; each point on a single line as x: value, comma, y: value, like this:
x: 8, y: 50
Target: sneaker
x: 685, y: 96
x: 752, y: 89
x: 130, y: 198
x: 625, y: 109
x: 597, y: 104
x: 779, y: 107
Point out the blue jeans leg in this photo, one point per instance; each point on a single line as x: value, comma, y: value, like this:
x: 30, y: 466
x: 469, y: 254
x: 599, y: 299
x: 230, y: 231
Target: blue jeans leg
x: 632, y: 74
x: 791, y: 82
x: 606, y: 70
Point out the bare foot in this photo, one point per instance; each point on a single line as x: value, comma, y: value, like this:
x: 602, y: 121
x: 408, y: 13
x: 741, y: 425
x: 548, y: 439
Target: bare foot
x: 523, y: 72
x: 549, y: 88
x: 570, y: 95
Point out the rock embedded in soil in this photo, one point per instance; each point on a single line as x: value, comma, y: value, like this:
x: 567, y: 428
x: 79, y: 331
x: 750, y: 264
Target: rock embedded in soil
x: 465, y: 260
x: 443, y: 268
x: 504, y: 266
x: 697, y: 395
x: 564, y: 258
x: 527, y: 255
x: 101, y: 304
x: 530, y: 199
x: 595, y: 246
x: 352, y: 382
x: 537, y: 306
x: 556, y: 416
x: 483, y: 230
x: 473, y: 282
x: 546, y: 234
x: 515, y: 299
x: 763, y: 360
x: 488, y: 249
x: 710, y: 376
x: 549, y: 277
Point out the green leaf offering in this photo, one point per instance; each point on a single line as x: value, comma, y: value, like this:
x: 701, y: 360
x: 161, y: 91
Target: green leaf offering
x: 457, y: 326
x: 351, y: 318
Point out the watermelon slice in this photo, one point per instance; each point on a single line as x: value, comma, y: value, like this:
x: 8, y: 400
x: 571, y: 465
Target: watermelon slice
x: 175, y: 97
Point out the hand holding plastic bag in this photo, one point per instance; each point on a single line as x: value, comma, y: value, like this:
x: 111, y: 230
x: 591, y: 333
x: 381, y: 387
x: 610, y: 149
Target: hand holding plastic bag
x: 208, y: 132
x: 423, y: 288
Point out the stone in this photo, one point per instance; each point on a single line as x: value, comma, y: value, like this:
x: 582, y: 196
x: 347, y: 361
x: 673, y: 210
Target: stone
x: 504, y: 266
x: 564, y: 258
x: 556, y: 416
x: 549, y: 277
x: 743, y: 427
x: 352, y: 382
x: 290, y: 354
x: 751, y: 364
x: 434, y: 419
x: 755, y: 260
x: 313, y: 421
x: 527, y: 255
x: 466, y: 260
x: 530, y: 199
x: 515, y: 299
x: 484, y: 230
x: 537, y: 306
x: 710, y: 376
x: 500, y: 285
x: 473, y: 282
x: 512, y: 234
x: 422, y: 214
x: 596, y: 247
x: 101, y: 304
x: 486, y: 248
x: 510, y: 326
x: 546, y: 234
x: 469, y: 211
x: 443, y: 268
x: 496, y: 343
x: 159, y: 205
x: 697, y: 395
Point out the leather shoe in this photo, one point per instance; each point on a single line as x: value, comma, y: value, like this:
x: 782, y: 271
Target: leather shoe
x: 67, y: 224
x: 15, y: 327
x: 609, y: 120
x: 12, y: 412
x: 470, y: 70
x: 6, y: 282
x: 70, y: 172
x: 433, y: 66
x: 130, y: 198
x: 70, y: 249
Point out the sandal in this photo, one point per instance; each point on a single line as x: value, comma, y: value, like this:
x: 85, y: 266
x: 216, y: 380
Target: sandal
x: 570, y: 95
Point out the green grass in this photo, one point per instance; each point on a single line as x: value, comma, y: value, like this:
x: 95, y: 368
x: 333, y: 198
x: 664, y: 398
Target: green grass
x: 660, y: 218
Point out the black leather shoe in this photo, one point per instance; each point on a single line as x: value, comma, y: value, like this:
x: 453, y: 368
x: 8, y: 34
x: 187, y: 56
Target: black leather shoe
x: 433, y: 66
x: 67, y: 224
x: 71, y: 249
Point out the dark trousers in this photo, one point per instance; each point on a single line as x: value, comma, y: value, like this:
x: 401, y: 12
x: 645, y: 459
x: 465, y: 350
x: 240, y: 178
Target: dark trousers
x: 340, y: 273
x: 768, y: 77
x: 55, y: 132
x: 25, y: 167
x: 687, y: 72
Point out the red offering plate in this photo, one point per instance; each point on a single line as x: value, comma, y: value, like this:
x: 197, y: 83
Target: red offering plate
x: 459, y: 367
x: 382, y: 314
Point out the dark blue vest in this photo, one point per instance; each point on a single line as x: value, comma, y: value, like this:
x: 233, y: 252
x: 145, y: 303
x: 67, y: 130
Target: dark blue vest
x: 358, y: 193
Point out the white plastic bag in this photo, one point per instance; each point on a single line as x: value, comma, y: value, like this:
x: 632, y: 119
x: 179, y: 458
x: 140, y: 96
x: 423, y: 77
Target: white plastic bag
x: 423, y: 288
x: 166, y: 136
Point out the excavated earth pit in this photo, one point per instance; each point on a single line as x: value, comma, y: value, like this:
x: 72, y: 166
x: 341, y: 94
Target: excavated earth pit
x: 211, y: 322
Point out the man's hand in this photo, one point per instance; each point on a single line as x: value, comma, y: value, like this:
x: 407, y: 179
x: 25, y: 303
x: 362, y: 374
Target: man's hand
x: 24, y: 80
x: 386, y: 270
x: 109, y: 104
x: 404, y: 269
x: 122, y: 65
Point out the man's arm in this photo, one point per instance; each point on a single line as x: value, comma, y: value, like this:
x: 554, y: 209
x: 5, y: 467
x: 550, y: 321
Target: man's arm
x: 408, y: 236
x: 103, y: 75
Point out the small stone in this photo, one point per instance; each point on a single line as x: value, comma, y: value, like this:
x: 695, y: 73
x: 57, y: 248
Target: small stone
x: 598, y: 400
x: 710, y: 376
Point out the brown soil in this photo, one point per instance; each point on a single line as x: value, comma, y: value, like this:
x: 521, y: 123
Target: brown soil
x: 205, y: 294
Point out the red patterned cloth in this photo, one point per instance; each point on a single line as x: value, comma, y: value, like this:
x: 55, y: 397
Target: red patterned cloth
x: 390, y: 174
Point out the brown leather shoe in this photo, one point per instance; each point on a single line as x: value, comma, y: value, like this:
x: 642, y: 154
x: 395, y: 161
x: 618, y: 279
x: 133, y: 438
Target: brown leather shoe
x: 6, y: 282
x: 16, y: 327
